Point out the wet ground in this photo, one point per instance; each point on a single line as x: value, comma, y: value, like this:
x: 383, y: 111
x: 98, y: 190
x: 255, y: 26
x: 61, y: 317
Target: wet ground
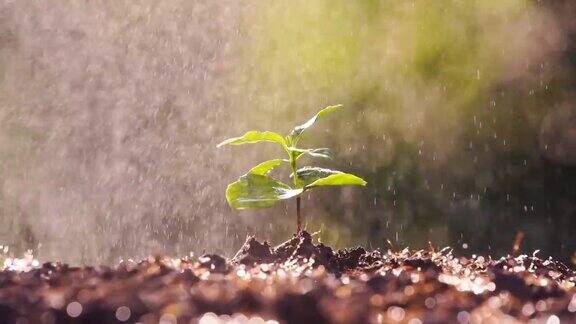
x: 296, y: 282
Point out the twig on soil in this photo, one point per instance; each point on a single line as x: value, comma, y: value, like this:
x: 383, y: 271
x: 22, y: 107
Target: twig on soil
x: 431, y: 247
x: 390, y: 243
x: 517, y: 243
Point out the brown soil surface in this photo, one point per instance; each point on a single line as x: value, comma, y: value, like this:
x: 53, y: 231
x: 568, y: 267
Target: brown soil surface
x: 296, y: 282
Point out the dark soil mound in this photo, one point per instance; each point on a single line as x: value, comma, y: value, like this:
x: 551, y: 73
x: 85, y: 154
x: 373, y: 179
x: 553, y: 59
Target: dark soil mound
x: 295, y: 282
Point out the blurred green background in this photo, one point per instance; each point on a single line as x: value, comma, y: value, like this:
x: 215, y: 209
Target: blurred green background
x: 461, y: 116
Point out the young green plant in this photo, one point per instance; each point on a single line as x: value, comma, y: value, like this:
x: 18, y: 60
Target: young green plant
x: 257, y: 189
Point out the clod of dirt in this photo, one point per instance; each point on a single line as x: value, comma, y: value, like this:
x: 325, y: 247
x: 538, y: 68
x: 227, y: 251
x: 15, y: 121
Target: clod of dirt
x: 254, y: 252
x: 214, y: 263
x: 301, y: 248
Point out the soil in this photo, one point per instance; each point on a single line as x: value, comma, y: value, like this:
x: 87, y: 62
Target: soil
x: 296, y: 282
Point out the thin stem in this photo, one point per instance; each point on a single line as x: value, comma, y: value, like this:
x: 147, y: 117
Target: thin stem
x: 298, y: 216
x: 298, y: 199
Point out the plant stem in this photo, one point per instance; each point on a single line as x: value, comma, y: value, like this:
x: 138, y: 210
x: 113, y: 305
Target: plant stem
x: 298, y: 199
x: 298, y: 216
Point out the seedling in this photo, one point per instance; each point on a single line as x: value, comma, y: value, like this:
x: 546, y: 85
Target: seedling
x: 257, y: 189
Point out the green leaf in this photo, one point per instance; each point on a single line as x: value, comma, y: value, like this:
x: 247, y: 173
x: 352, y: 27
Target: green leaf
x: 265, y: 167
x: 258, y: 191
x: 319, y: 152
x: 308, y: 174
x: 298, y: 130
x: 323, y: 152
x: 255, y: 137
x: 338, y: 179
x: 314, y: 176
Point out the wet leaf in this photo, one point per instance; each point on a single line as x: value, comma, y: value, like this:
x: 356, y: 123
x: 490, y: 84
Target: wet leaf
x: 255, y: 137
x: 265, y: 167
x: 319, y: 152
x: 258, y: 191
x: 309, y: 174
x: 340, y: 179
x: 298, y: 130
x: 323, y: 152
x: 315, y: 177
